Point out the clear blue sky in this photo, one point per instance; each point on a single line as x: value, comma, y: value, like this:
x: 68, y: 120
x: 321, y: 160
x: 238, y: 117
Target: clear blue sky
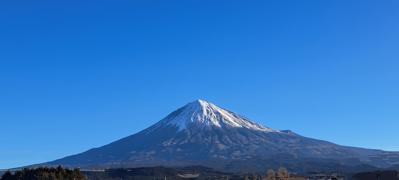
x: 76, y: 75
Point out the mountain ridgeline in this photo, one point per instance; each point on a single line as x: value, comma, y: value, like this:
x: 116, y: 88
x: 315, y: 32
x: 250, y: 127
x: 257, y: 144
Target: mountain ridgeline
x: 201, y: 133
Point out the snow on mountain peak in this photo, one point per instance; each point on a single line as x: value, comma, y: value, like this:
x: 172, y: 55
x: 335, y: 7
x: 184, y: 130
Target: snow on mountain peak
x: 203, y: 113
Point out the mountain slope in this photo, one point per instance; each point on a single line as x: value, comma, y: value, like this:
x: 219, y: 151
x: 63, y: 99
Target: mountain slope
x: 202, y: 133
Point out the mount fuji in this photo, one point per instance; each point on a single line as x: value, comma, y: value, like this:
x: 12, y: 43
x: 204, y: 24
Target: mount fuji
x: 201, y: 133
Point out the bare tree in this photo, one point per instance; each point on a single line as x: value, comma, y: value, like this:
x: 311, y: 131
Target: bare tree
x: 270, y: 175
x: 283, y: 173
x: 246, y: 177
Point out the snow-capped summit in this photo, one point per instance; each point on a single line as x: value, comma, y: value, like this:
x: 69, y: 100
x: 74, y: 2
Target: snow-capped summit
x: 205, y: 114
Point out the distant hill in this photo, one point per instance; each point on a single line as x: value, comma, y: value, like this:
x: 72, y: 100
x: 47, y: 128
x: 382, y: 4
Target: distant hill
x: 201, y: 133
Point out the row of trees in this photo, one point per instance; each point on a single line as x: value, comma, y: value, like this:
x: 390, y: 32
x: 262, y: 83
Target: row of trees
x: 281, y: 174
x: 44, y: 173
x: 60, y: 173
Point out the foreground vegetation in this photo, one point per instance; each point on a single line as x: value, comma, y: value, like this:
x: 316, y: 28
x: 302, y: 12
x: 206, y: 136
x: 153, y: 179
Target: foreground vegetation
x: 44, y: 173
x: 150, y: 173
x: 168, y: 173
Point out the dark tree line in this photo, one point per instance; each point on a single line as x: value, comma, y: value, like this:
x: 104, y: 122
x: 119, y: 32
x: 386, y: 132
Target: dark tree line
x: 44, y: 173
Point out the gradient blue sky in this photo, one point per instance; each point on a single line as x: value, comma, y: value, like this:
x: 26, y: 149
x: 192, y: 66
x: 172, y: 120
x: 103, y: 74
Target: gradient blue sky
x: 79, y: 74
